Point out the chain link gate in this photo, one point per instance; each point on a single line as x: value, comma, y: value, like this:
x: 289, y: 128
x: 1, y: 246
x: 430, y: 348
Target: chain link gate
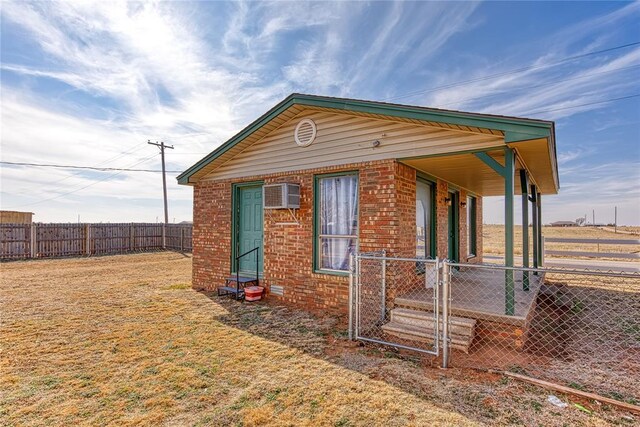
x: 397, y: 302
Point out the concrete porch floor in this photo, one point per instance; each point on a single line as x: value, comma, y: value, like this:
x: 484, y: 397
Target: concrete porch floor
x: 479, y: 293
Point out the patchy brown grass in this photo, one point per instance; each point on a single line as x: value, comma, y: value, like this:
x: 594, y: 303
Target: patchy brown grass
x: 124, y: 340
x: 493, y: 239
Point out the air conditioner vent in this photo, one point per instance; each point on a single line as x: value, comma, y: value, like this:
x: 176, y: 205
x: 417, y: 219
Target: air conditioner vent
x: 276, y: 290
x: 281, y: 196
x: 305, y: 132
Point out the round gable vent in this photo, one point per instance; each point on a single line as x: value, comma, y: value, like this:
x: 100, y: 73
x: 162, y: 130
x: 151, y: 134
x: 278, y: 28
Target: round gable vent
x: 305, y: 132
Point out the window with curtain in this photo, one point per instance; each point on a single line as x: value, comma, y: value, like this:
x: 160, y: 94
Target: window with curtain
x: 471, y: 226
x: 336, y: 220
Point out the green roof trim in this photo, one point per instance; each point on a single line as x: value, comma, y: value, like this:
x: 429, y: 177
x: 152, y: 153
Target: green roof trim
x: 514, y: 128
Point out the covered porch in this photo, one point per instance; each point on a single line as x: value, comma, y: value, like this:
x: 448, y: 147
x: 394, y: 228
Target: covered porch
x: 479, y: 293
x: 524, y: 166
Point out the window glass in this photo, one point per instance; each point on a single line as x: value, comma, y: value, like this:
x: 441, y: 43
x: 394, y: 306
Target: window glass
x: 471, y: 226
x: 337, y: 222
x: 423, y: 219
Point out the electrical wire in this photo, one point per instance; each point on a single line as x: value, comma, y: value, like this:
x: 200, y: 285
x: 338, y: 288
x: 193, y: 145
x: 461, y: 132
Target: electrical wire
x: 41, y: 165
x: 509, y: 72
x: 131, y: 150
x: 86, y: 186
x: 553, y: 82
x: 587, y: 104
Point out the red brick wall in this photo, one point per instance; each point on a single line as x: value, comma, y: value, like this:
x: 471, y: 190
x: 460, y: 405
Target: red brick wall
x: 442, y: 227
x: 386, y: 221
x: 211, y: 234
x: 387, y: 194
x: 442, y: 218
x: 405, y: 244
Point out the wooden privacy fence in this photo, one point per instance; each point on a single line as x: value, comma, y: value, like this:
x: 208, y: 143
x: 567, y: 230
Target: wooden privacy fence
x: 18, y: 241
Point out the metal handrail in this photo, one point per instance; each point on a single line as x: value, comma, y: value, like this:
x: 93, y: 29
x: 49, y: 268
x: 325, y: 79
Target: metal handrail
x: 238, y: 268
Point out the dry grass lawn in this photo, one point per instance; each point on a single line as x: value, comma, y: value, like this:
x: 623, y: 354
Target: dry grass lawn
x: 493, y: 239
x: 124, y: 340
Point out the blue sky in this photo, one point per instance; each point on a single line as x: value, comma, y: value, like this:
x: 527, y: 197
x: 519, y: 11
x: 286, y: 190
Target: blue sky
x: 88, y: 83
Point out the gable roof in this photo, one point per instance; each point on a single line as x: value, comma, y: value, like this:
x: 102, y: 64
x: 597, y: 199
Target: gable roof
x: 514, y: 129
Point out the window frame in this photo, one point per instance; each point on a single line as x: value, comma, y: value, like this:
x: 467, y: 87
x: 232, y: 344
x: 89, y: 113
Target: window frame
x: 317, y: 236
x: 432, y: 215
x: 472, y: 226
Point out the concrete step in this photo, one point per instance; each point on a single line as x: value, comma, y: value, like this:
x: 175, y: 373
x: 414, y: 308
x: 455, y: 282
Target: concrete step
x: 414, y: 304
x: 421, y: 335
x: 419, y: 326
x: 424, y: 319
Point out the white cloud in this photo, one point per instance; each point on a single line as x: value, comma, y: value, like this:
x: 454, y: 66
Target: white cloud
x: 569, y: 156
x: 585, y: 188
x: 124, y: 52
x: 176, y: 77
x: 408, y: 37
x: 546, y: 82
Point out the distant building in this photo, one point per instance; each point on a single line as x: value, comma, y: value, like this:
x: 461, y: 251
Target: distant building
x: 564, y: 224
x: 15, y: 217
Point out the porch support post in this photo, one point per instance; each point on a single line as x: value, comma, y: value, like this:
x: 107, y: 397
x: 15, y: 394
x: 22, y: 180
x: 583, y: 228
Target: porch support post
x: 508, y: 173
x: 534, y: 222
x: 524, y: 185
x: 539, y: 208
x: 509, y: 288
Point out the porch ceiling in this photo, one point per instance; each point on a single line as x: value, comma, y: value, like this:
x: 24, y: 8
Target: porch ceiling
x: 466, y: 170
x: 539, y: 157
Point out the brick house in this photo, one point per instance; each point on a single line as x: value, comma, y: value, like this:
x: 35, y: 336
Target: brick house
x: 371, y: 176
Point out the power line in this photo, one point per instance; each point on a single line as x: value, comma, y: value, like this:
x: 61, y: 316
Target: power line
x: 584, y: 105
x: 86, y: 186
x: 130, y: 150
x: 549, y: 83
x: 512, y: 71
x: 42, y: 165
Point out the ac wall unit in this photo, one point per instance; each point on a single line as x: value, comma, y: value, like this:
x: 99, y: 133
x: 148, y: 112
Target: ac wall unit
x: 281, y: 196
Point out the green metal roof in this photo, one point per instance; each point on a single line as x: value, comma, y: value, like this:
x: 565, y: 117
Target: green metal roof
x: 514, y: 128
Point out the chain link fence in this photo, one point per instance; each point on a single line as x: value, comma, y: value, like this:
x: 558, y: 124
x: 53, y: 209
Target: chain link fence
x: 577, y: 328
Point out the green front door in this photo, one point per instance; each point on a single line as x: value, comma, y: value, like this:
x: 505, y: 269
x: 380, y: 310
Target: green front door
x: 453, y: 228
x: 249, y: 228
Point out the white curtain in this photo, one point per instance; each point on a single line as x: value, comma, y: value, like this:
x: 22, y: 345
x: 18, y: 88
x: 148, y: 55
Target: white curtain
x: 423, y: 220
x: 339, y: 208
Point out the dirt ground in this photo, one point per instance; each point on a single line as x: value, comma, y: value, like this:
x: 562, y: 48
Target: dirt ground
x: 124, y: 340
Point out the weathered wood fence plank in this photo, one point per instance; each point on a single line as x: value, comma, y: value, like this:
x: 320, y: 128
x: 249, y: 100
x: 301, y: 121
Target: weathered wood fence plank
x: 15, y: 240
x: 38, y: 240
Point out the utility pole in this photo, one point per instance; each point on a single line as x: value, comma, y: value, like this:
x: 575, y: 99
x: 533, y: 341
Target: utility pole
x: 615, y: 220
x: 164, y: 178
